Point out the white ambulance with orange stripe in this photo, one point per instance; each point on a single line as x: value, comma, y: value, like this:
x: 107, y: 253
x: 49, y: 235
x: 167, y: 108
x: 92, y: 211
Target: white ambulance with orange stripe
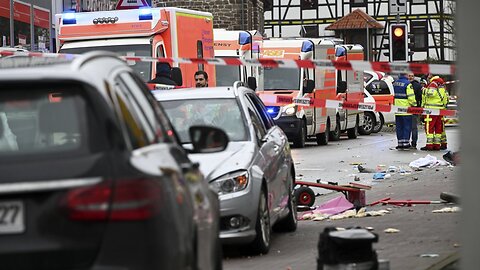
x: 302, y: 122
x: 151, y: 32
x: 238, y: 45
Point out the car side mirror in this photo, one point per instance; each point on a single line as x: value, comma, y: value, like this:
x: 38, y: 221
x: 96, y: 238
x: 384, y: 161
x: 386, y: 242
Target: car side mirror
x: 252, y: 83
x: 206, y: 139
x: 308, y: 86
x: 342, y: 87
x: 177, y: 76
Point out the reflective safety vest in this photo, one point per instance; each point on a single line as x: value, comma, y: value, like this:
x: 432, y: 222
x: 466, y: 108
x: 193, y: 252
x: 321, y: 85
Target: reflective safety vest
x: 404, y: 94
x: 434, y: 96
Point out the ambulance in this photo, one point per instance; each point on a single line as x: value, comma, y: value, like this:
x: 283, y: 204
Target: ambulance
x: 350, y: 89
x: 151, y: 32
x: 232, y: 44
x: 302, y: 122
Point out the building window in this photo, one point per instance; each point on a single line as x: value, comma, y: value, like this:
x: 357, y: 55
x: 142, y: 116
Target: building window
x: 419, y: 29
x: 358, y: 3
x: 309, y: 4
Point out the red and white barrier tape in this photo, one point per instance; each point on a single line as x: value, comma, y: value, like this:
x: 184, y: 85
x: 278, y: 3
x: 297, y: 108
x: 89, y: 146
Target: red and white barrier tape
x: 417, y: 68
x: 336, y: 104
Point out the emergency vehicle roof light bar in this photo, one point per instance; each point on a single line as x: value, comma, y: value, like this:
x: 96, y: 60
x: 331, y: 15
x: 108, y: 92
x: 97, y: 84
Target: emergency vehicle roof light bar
x: 244, y: 38
x: 69, y: 17
x: 307, y: 46
x: 145, y: 13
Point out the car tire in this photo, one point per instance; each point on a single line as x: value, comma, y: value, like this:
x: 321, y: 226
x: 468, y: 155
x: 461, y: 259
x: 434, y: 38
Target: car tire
x: 353, y: 132
x: 289, y: 223
x: 322, y: 138
x: 304, y: 196
x: 261, y: 243
x: 335, y: 134
x: 368, y: 124
x: 379, y: 125
x: 299, y: 141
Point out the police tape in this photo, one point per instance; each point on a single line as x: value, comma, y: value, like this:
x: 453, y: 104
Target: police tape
x: 387, y: 67
x: 360, y: 106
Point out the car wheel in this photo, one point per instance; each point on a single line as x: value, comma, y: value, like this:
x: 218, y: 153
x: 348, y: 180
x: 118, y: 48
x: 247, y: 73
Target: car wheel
x: 379, y: 125
x: 261, y: 244
x: 353, y: 132
x: 368, y: 124
x: 335, y: 134
x: 304, y: 196
x: 289, y: 223
x: 322, y: 138
x: 299, y: 141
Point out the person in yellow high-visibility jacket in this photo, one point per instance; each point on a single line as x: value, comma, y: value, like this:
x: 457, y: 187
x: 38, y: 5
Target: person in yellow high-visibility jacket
x: 434, y: 97
x: 404, y: 97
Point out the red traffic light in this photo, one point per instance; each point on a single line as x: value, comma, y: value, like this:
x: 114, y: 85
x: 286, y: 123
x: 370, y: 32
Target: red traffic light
x: 398, y: 31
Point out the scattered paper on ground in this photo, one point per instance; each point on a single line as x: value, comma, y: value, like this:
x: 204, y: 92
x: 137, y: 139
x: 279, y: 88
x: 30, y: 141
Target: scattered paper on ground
x: 447, y: 210
x: 391, y: 230
x: 428, y: 161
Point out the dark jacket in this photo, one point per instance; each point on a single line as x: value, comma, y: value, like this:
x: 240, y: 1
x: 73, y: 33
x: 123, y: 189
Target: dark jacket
x: 417, y: 89
x: 163, y: 79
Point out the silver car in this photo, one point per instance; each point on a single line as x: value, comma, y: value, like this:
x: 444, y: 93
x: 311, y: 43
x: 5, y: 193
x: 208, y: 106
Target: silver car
x: 254, y: 176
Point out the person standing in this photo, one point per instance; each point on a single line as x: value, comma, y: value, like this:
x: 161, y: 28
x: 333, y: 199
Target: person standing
x: 434, y: 97
x: 201, y: 79
x: 417, y: 90
x: 404, y: 97
x: 163, y: 74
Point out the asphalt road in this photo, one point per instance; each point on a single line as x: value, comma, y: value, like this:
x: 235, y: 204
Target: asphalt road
x: 424, y: 239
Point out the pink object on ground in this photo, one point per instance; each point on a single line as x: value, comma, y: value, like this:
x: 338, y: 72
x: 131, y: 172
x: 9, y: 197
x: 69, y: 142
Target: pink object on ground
x: 334, y: 206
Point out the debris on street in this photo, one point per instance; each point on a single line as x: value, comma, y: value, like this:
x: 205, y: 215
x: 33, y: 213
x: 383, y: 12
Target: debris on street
x: 454, y: 209
x: 391, y: 230
x: 428, y: 161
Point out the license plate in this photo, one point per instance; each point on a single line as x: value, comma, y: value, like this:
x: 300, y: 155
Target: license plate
x: 12, y: 217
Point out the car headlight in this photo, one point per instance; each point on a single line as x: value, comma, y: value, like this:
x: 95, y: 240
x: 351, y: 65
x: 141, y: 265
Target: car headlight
x: 290, y: 109
x: 230, y: 183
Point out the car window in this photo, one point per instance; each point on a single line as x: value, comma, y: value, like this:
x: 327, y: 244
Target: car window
x: 262, y: 111
x: 139, y: 132
x: 367, y: 76
x: 50, y: 118
x: 223, y: 113
x: 258, y: 126
x: 378, y: 87
x: 146, y: 103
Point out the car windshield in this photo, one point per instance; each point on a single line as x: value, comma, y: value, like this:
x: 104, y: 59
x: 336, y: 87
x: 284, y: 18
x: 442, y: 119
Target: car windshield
x: 227, y: 75
x: 50, y: 119
x: 144, y: 69
x: 221, y: 113
x: 281, y: 79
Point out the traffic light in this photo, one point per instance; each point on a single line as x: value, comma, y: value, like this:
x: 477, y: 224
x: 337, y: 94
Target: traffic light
x: 398, y: 42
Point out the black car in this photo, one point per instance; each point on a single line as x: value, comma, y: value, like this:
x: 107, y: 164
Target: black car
x: 92, y: 175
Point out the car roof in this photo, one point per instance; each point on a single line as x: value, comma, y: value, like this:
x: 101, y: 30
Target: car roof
x: 93, y: 68
x: 200, y: 93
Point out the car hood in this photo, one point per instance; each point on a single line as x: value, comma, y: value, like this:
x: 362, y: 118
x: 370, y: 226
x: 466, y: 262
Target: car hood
x: 237, y: 156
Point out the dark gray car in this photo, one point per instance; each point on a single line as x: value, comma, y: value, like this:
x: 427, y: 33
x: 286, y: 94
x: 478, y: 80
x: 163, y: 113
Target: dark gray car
x: 92, y: 175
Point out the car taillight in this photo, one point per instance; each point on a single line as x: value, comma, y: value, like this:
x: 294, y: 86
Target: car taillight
x: 124, y: 200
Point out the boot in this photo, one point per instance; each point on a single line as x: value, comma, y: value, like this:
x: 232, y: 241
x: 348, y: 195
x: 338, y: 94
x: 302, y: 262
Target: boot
x: 443, y: 146
x: 426, y: 148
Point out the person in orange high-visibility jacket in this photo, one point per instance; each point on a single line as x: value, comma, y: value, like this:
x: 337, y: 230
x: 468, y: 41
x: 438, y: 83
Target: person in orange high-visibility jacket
x: 434, y: 97
x: 404, y: 97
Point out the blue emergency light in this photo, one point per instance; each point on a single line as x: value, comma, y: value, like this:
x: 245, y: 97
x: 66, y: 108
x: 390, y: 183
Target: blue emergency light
x: 69, y: 17
x: 244, y: 38
x: 273, y: 110
x: 307, y: 46
x: 145, y: 13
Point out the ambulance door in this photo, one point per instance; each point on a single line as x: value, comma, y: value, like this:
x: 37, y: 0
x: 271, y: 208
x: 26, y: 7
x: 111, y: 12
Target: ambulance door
x: 309, y: 110
x: 159, y: 53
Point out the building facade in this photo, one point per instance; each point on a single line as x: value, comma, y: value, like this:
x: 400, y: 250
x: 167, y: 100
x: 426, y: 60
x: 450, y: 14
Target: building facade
x: 227, y: 14
x: 430, y: 21
x: 29, y: 24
